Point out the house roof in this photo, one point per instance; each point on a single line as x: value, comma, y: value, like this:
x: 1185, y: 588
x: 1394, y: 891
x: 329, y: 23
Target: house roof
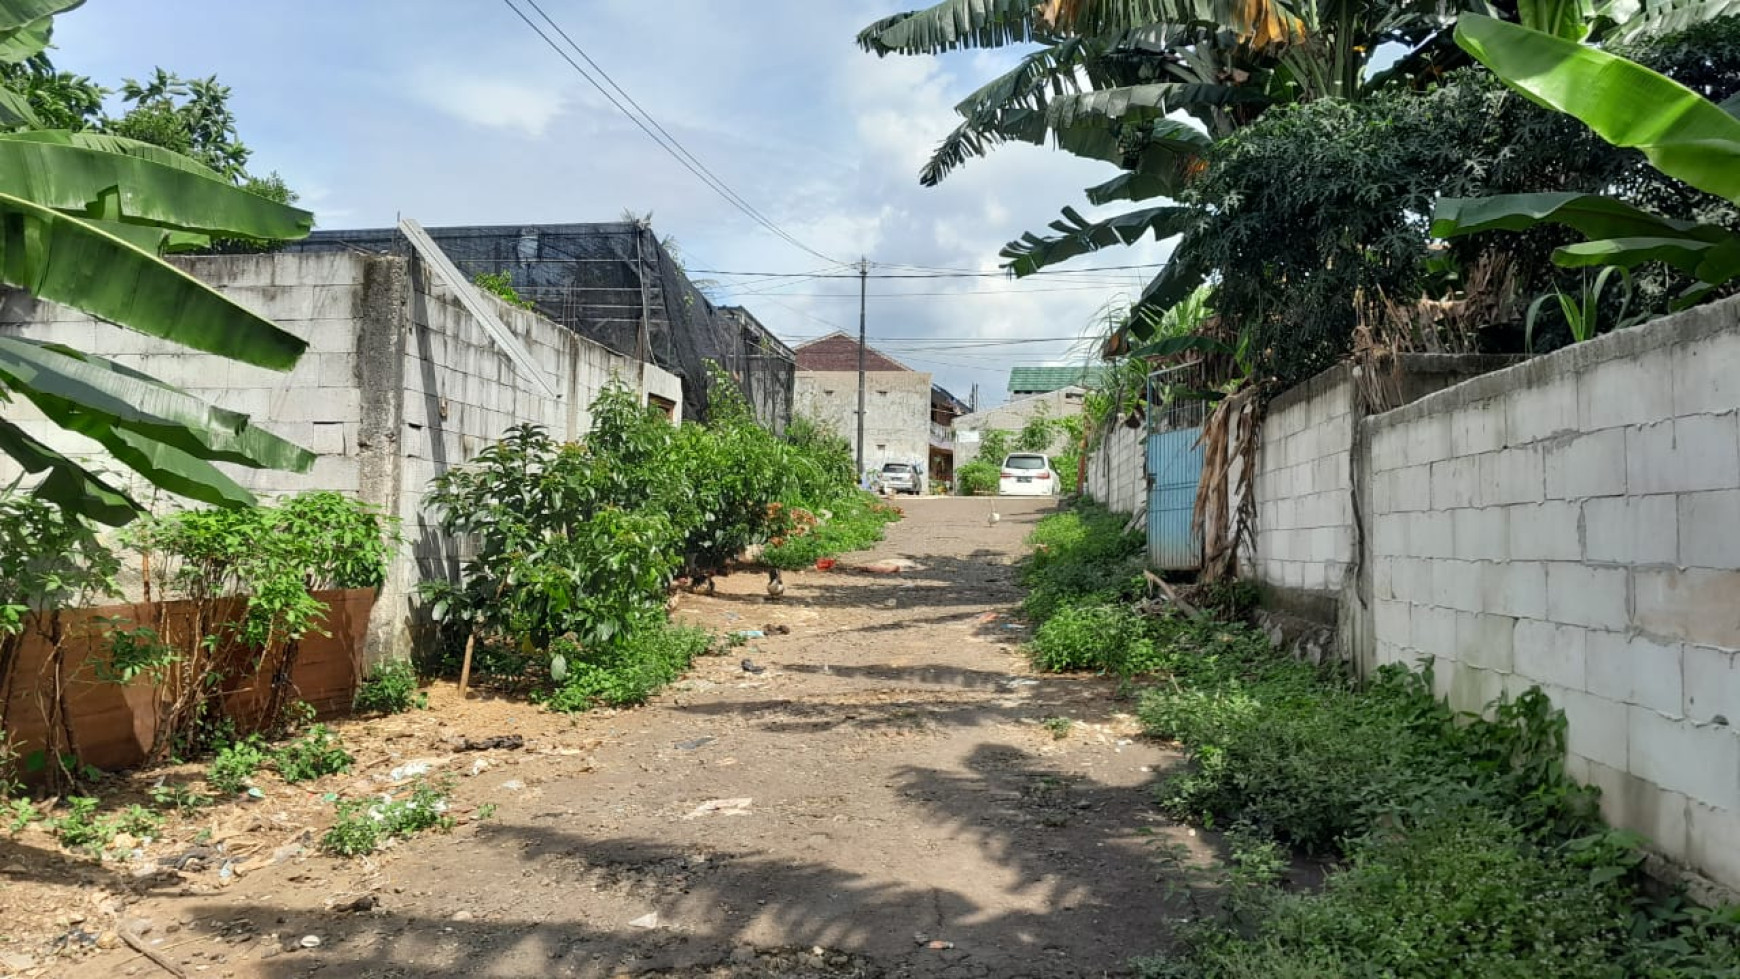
x: 839, y: 352
x: 1038, y: 380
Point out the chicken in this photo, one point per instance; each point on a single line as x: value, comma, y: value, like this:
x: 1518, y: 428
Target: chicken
x: 775, y: 584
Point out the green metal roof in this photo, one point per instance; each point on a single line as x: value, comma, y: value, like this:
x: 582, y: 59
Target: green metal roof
x: 1038, y: 380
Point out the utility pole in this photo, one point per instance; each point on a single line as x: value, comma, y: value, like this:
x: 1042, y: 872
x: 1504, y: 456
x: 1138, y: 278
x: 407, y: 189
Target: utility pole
x: 863, y: 283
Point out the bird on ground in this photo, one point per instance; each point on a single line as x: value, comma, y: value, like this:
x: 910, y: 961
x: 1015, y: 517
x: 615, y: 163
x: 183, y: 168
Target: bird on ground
x: 775, y: 584
x: 994, y: 517
x: 750, y: 667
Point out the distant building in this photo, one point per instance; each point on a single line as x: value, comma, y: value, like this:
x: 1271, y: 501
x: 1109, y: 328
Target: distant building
x: 1024, y: 381
x: 907, y: 418
x: 616, y: 285
x: 1012, y: 416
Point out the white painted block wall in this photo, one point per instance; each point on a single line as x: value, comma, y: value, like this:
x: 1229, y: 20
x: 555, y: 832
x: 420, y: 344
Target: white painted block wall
x: 1305, y: 529
x: 1117, y: 471
x: 1574, y: 522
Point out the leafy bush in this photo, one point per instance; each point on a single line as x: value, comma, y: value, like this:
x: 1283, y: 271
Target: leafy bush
x: 234, y: 765
x: 1105, y: 638
x: 1463, y: 893
x: 576, y: 545
x: 390, y: 688
x: 81, y: 827
x: 1081, y: 557
x: 977, y: 478
x: 1469, y: 852
x: 273, y: 559
x: 365, y: 825
x: 853, y: 523
x: 314, y: 755
x: 628, y: 671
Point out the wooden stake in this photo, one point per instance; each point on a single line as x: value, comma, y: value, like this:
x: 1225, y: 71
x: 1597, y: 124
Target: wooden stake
x: 465, y: 668
x: 138, y: 946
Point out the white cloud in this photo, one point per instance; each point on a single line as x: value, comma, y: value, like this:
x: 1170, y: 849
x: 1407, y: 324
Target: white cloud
x: 492, y: 102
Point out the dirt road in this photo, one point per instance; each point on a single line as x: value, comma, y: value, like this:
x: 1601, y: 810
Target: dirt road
x: 884, y: 800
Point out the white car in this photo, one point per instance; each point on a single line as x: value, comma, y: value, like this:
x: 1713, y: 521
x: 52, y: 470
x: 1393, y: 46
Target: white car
x: 1027, y: 474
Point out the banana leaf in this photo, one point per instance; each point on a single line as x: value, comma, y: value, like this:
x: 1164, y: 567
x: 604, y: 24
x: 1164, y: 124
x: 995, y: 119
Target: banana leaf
x: 1078, y: 236
x: 26, y: 41
x: 66, y: 483
x: 954, y: 24
x: 108, y: 143
x: 163, y: 465
x: 1685, y: 254
x: 61, y: 258
x: 1175, y: 283
x: 19, y: 13
x: 15, y: 109
x: 1593, y: 215
x: 69, y: 177
x: 1683, y: 134
x: 136, y: 402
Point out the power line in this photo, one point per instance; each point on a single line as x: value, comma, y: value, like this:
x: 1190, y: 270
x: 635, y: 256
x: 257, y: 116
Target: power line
x: 939, y: 274
x: 676, y: 150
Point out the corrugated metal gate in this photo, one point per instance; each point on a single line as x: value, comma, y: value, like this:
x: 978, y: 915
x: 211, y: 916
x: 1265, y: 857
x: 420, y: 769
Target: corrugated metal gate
x: 1174, y: 461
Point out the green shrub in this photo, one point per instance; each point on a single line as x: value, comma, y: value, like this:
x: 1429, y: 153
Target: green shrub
x: 626, y: 672
x: 1105, y: 638
x: 978, y: 478
x: 1462, y: 894
x: 234, y: 765
x: 852, y: 523
x: 390, y: 688
x: 314, y: 755
x: 1081, y: 557
x: 365, y: 825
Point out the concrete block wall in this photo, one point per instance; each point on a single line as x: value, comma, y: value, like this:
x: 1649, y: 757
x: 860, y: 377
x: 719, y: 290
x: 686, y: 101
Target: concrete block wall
x: 896, y: 411
x: 398, y: 385
x: 317, y: 405
x: 1303, y: 484
x: 1574, y: 523
x: 1117, y: 470
x: 460, y: 393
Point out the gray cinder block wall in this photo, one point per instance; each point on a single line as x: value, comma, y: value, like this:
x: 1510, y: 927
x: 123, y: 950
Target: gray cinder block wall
x: 399, y: 384
x: 1574, y: 522
x: 1116, y: 471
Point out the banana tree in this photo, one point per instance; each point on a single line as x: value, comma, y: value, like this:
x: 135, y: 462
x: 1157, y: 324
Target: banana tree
x: 1681, y: 133
x: 84, y: 222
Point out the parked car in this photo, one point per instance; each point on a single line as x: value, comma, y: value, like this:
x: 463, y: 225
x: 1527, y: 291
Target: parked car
x: 902, y: 477
x: 1027, y: 474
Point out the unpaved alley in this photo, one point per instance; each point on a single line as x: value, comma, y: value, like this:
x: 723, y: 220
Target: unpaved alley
x: 895, y: 794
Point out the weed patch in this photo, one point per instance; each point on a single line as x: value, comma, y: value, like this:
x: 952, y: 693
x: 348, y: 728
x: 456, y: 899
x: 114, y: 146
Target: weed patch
x: 628, y: 671
x: 390, y: 688
x: 365, y: 825
x: 314, y: 755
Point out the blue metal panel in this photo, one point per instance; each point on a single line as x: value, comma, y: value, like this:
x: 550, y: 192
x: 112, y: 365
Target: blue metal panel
x: 1175, y: 465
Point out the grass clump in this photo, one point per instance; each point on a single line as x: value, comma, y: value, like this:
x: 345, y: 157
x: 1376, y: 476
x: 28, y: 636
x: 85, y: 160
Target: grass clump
x: 1465, y: 849
x: 852, y: 523
x: 1103, y: 638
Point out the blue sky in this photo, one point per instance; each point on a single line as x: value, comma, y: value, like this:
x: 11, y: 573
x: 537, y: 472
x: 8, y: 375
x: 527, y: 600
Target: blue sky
x: 456, y: 113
